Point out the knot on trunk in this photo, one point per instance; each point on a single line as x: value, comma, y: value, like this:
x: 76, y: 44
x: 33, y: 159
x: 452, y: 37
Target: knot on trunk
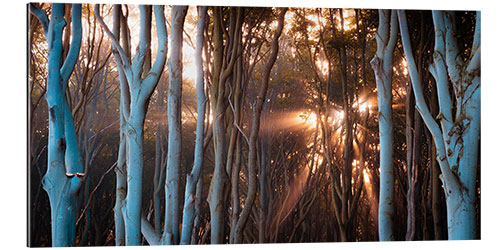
x: 61, y: 144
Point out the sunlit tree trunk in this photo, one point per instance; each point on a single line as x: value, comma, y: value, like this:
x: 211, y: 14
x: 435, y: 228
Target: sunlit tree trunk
x: 233, y: 163
x: 172, y: 182
x: 382, y: 66
x: 263, y: 181
x: 193, y: 177
x: 65, y: 169
x: 456, y: 136
x: 218, y: 93
x: 160, y: 161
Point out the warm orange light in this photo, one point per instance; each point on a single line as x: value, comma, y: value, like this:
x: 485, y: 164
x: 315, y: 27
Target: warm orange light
x: 322, y: 66
x: 405, y: 66
x: 366, y: 176
x: 364, y: 106
x: 340, y: 115
x: 348, y: 19
x: 309, y: 119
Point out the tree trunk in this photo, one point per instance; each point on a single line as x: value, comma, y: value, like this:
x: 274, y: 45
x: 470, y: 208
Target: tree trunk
x: 121, y: 168
x: 456, y: 138
x: 65, y: 171
x: 140, y: 87
x: 135, y: 164
x: 193, y: 178
x: 382, y: 66
x: 252, y: 154
x: 220, y: 74
x: 172, y: 191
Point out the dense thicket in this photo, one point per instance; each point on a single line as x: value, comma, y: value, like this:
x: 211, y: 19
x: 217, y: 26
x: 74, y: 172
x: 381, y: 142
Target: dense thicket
x: 252, y: 125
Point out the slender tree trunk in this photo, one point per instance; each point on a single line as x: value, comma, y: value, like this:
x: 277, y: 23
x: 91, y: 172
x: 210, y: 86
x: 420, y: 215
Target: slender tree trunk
x: 414, y: 180
x: 197, y: 215
x: 194, y: 177
x: 263, y: 191
x: 436, y: 190
x: 121, y: 168
x: 456, y: 136
x: 140, y: 85
x: 382, y: 66
x: 172, y: 191
x: 252, y: 154
x: 220, y: 74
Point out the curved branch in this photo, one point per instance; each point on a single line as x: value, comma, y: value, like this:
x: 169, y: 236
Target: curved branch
x: 144, y: 43
x: 453, y: 59
x: 154, y: 74
x: 76, y: 42
x: 438, y: 70
x: 42, y: 17
x: 114, y: 40
x: 393, y: 36
x: 422, y: 107
x: 234, y: 55
x: 149, y: 232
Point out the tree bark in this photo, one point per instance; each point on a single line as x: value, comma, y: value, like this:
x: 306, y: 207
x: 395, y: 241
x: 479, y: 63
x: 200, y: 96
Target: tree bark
x: 64, y: 173
x: 172, y: 191
x: 382, y: 66
x: 193, y: 178
x: 456, y: 138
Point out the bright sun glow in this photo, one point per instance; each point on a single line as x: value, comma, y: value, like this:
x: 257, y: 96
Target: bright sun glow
x: 348, y: 19
x: 405, y: 66
x: 366, y: 176
x: 309, y: 119
x: 322, y: 66
x: 340, y: 115
x: 365, y: 106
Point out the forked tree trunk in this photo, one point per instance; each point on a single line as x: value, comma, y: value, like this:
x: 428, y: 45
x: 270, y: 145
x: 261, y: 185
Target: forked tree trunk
x: 141, y: 85
x: 457, y: 135
x: 65, y: 169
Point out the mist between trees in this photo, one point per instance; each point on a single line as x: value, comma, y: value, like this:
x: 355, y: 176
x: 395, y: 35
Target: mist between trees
x: 163, y: 125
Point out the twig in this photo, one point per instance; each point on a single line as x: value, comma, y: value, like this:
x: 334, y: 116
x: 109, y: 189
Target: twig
x: 234, y: 114
x: 93, y: 191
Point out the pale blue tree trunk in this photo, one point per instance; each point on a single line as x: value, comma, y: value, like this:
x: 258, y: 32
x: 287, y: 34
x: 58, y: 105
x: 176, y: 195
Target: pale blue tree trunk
x: 193, y: 177
x: 140, y: 85
x: 172, y: 192
x: 121, y: 168
x: 456, y: 135
x: 135, y: 165
x: 64, y: 167
x: 382, y: 65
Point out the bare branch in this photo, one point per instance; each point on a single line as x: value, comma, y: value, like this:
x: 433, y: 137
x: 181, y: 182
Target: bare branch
x: 114, y: 40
